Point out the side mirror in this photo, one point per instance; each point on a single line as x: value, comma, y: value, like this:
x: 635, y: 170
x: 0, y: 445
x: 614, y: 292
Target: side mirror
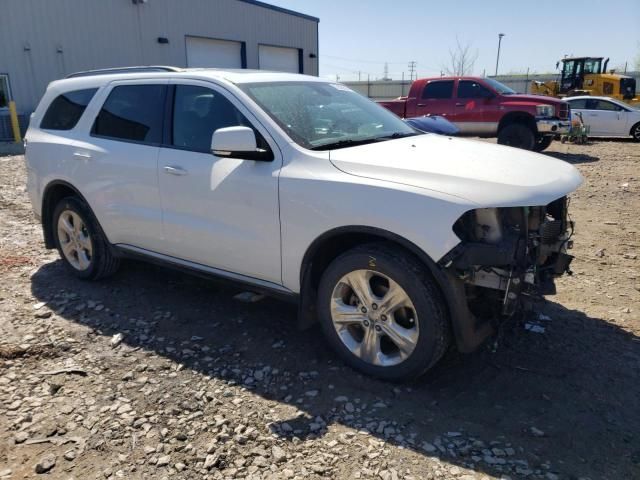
x: 238, y: 142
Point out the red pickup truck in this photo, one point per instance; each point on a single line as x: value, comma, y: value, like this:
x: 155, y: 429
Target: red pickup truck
x: 486, y: 108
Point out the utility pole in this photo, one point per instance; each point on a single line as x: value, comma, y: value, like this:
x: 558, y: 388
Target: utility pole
x: 412, y: 68
x: 500, y: 35
x: 386, y: 71
x: 359, y: 75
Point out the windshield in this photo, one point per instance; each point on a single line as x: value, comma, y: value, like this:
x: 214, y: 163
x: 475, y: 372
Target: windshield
x: 499, y: 87
x: 323, y: 116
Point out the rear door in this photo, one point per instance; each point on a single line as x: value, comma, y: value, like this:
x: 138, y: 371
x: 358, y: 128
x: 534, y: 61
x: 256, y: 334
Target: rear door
x: 436, y: 99
x: 121, y: 149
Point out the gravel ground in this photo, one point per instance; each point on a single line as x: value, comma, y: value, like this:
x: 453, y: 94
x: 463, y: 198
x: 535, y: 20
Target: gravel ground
x: 156, y: 374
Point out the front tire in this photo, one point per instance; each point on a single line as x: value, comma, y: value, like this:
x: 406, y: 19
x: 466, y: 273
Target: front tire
x: 542, y: 143
x: 635, y: 132
x: 83, y: 247
x: 517, y: 135
x: 383, y: 313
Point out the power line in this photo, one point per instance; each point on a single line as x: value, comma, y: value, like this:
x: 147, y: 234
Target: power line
x: 412, y: 69
x: 358, y: 60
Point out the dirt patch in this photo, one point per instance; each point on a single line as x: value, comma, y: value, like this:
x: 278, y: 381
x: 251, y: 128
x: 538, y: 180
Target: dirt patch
x: 181, y: 381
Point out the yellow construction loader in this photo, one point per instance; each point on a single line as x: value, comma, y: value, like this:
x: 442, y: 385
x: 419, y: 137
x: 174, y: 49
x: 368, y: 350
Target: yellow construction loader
x: 588, y: 76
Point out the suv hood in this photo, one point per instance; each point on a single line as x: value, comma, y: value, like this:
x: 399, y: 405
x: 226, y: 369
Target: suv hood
x: 480, y: 173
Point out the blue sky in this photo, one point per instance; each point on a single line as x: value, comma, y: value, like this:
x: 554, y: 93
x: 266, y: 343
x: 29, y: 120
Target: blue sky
x: 360, y: 35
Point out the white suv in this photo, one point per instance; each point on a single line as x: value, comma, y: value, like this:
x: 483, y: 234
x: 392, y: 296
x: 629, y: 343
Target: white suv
x: 397, y: 242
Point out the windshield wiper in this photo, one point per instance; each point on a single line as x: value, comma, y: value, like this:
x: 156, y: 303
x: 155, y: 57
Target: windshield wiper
x: 399, y: 135
x: 345, y: 143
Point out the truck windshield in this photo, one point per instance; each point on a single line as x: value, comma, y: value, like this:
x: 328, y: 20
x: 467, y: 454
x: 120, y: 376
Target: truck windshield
x: 499, y: 87
x: 326, y: 116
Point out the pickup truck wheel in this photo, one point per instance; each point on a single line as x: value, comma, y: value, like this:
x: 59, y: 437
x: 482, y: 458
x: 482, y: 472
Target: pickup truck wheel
x: 517, y: 135
x: 542, y: 143
x: 382, y: 313
x: 80, y: 241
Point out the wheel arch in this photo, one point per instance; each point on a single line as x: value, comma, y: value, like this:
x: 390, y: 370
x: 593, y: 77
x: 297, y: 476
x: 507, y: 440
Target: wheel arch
x: 633, y: 127
x: 519, y: 116
x: 55, y: 191
x: 328, y: 246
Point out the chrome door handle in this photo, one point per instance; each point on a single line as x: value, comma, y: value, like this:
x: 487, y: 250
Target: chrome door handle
x: 459, y: 104
x: 81, y: 155
x: 171, y: 170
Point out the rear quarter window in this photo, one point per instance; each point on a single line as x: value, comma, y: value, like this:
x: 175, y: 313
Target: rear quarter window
x: 66, y: 109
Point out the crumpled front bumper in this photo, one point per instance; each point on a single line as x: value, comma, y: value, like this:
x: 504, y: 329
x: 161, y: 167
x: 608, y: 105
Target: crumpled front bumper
x: 553, y: 126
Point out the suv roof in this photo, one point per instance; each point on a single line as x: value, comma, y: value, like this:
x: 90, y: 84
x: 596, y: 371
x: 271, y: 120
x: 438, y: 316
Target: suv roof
x: 101, y: 77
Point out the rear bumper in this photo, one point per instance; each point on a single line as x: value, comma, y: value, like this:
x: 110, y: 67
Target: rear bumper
x: 553, y: 127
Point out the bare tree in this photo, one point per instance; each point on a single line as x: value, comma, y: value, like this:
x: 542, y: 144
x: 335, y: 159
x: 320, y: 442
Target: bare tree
x: 462, y: 59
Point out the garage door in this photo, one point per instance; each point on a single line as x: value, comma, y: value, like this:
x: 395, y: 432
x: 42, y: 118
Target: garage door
x: 207, y: 52
x: 279, y: 59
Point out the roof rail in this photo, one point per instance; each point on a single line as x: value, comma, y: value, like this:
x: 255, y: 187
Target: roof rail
x: 109, y: 71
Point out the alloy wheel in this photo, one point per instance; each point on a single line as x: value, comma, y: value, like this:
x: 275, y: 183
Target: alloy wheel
x: 374, y: 318
x: 75, y: 241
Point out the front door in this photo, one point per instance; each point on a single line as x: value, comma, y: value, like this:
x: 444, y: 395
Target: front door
x: 218, y: 212
x: 605, y: 118
x: 475, y: 110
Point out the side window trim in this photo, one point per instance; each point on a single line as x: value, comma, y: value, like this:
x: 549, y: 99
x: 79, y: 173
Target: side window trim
x: 109, y: 88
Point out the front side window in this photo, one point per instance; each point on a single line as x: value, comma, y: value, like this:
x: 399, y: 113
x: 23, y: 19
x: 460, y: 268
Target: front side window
x: 499, y: 87
x: 132, y: 113
x: 197, y: 113
x: 469, y: 89
x: 66, y: 109
x: 4, y: 91
x: 438, y: 90
x: 594, y: 104
x: 324, y: 116
x: 609, y: 106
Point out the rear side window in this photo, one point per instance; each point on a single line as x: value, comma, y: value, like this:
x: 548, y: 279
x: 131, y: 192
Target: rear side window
x: 580, y: 104
x: 132, y: 113
x: 438, y: 90
x: 66, y: 109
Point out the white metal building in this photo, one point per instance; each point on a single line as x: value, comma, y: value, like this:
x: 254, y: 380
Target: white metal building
x: 43, y: 40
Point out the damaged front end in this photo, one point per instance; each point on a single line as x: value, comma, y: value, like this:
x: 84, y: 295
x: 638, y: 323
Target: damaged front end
x: 508, y: 254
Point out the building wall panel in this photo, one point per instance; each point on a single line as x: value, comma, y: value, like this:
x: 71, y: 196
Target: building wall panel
x: 46, y: 40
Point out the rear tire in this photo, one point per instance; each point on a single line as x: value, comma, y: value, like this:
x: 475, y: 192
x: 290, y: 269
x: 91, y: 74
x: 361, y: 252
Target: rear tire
x: 399, y: 328
x: 542, y: 143
x: 635, y: 132
x: 517, y: 135
x: 83, y: 247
